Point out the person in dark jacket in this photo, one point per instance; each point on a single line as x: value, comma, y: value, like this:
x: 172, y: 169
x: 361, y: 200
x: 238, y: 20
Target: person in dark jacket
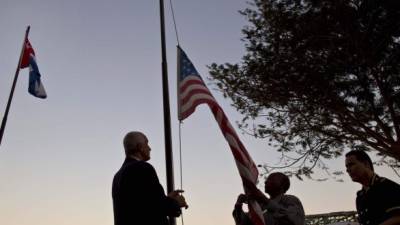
x: 378, y: 201
x: 138, y: 197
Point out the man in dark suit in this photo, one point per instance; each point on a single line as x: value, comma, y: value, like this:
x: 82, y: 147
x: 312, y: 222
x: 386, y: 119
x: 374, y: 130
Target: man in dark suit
x: 138, y: 197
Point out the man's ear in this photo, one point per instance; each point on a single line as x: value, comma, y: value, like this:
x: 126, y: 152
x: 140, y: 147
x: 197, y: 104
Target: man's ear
x: 366, y: 164
x: 139, y: 147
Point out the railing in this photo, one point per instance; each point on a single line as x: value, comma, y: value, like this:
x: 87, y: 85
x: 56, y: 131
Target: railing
x: 330, y: 218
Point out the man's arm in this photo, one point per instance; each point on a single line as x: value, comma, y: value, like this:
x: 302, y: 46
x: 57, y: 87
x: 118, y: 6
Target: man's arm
x: 168, y: 205
x: 395, y: 220
x: 150, y: 197
x: 288, y: 211
x: 294, y: 210
x: 390, y: 191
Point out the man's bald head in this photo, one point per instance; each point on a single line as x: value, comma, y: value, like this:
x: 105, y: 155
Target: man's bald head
x: 132, y: 142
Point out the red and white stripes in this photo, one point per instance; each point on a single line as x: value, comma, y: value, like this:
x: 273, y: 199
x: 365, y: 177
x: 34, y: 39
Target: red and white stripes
x: 192, y: 92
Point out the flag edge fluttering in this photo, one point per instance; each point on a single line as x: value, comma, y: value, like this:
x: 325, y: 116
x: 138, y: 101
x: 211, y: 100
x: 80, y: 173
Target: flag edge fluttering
x: 246, y: 166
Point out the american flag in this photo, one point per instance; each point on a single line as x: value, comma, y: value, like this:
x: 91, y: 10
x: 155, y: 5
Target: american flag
x: 192, y: 92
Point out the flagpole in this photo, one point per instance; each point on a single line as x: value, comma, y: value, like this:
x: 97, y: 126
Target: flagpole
x: 167, y: 114
x: 4, y: 121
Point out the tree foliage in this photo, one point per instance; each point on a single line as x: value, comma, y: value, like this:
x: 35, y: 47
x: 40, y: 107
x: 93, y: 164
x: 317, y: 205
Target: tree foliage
x: 319, y: 77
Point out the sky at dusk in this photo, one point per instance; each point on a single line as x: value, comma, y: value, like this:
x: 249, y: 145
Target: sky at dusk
x: 101, y: 66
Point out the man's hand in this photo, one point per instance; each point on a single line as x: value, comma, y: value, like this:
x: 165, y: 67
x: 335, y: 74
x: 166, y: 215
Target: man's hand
x: 178, y: 197
x: 259, y: 196
x: 242, y: 198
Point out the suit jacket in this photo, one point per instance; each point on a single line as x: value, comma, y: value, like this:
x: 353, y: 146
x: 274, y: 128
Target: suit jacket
x: 139, y: 198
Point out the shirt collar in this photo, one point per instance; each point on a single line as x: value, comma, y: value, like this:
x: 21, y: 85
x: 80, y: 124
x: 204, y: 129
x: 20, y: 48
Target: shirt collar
x: 278, y: 198
x: 371, y: 183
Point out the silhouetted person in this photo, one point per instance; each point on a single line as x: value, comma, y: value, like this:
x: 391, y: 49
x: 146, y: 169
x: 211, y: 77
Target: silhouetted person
x: 378, y: 202
x: 279, y: 209
x: 138, y: 197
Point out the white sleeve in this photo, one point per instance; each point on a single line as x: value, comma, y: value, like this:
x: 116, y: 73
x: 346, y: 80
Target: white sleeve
x: 289, y: 209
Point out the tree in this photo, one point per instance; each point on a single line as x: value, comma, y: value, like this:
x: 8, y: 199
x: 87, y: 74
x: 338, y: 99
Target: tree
x: 319, y: 77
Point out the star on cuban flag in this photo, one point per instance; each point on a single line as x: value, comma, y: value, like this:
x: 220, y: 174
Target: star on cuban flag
x: 28, y: 59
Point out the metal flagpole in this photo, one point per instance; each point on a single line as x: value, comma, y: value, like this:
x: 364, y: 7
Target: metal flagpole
x: 4, y: 121
x: 167, y: 114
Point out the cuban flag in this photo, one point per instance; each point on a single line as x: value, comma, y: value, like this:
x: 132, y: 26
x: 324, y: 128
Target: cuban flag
x: 28, y: 59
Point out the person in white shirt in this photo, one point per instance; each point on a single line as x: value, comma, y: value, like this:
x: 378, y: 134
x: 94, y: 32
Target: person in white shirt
x: 279, y: 209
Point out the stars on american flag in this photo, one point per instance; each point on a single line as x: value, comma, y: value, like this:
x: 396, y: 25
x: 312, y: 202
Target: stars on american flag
x: 187, y: 68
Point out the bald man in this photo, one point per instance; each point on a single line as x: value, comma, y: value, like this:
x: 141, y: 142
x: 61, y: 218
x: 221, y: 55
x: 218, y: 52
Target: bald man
x: 138, y: 197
